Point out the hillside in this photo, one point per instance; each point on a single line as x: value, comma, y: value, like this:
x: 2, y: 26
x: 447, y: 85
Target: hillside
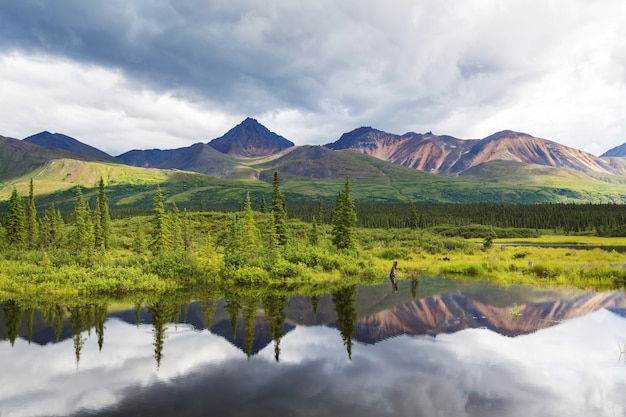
x: 199, y: 157
x: 60, y: 141
x: 63, y: 174
x: 18, y: 157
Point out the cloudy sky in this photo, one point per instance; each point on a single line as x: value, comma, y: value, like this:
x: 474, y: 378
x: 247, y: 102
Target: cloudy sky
x: 139, y: 74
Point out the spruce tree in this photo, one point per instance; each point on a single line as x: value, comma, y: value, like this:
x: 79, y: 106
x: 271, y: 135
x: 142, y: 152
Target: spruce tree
x: 139, y: 242
x: 313, y: 233
x: 251, y: 236
x: 31, y: 219
x: 46, y: 228
x: 102, y: 219
x: 83, y: 237
x: 344, y: 220
x: 320, y: 212
x: 185, y: 230
x: 234, y: 243
x: 16, y: 221
x: 160, y: 228
x: 175, y: 228
x: 263, y: 205
x: 414, y: 218
x: 270, y: 240
x: 279, y: 211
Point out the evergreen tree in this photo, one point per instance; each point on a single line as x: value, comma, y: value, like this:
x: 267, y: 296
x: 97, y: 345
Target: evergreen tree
x: 234, y: 243
x: 160, y: 229
x: 16, y: 221
x: 344, y: 220
x: 414, y: 218
x: 83, y: 237
x: 185, y: 230
x: 49, y: 234
x: 271, y: 240
x: 313, y: 233
x: 320, y: 211
x: 210, y: 252
x: 139, y: 243
x: 263, y: 205
x: 175, y: 228
x: 251, y: 239
x: 31, y: 219
x: 279, y: 211
x: 102, y: 219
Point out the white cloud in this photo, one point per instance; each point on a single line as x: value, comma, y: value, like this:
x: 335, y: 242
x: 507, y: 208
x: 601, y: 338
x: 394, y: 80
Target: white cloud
x: 143, y: 74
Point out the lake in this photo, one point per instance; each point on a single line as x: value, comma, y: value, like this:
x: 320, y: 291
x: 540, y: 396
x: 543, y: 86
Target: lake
x: 434, y: 347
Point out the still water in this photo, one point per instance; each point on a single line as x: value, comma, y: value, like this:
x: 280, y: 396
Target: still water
x: 433, y: 348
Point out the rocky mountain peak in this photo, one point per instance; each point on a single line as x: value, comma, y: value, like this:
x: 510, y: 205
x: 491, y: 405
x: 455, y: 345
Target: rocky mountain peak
x: 250, y: 139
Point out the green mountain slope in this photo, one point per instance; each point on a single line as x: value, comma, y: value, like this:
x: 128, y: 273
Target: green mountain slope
x: 308, y: 173
x: 18, y: 157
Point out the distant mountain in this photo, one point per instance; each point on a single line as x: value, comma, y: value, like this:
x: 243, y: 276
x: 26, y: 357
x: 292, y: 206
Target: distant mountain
x: 60, y: 141
x: 618, y: 151
x: 199, y: 157
x: 451, y: 156
x: 250, y: 139
x: 18, y: 157
x: 221, y: 157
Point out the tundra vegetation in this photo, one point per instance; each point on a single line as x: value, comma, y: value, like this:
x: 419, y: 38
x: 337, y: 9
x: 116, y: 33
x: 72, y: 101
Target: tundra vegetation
x: 84, y: 252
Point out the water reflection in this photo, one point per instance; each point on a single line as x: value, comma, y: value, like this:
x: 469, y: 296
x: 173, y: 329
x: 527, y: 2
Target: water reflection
x: 355, y: 351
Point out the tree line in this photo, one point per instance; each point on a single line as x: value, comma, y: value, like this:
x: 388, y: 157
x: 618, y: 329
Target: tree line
x: 255, y: 238
x: 602, y: 219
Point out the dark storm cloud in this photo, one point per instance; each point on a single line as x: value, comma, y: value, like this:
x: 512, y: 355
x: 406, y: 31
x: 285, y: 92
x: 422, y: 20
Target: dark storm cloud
x: 236, y: 55
x: 313, y: 70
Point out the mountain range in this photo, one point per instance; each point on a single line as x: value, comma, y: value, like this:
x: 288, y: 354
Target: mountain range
x: 251, y: 151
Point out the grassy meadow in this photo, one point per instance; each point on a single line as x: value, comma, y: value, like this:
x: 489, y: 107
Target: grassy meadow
x: 129, y: 266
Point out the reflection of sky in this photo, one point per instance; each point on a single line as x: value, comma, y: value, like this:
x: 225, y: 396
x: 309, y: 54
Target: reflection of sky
x: 570, y: 369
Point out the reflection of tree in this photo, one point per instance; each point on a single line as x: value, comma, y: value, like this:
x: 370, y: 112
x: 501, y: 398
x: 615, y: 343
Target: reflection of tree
x: 30, y: 315
x: 233, y: 306
x: 315, y: 301
x: 54, y: 314
x: 100, y: 316
x: 414, y: 283
x: 79, y: 320
x: 161, y: 311
x: 343, y: 299
x: 13, y: 318
x: 184, y: 311
x: 138, y: 308
x: 249, y: 313
x: 209, y: 305
x: 274, y: 305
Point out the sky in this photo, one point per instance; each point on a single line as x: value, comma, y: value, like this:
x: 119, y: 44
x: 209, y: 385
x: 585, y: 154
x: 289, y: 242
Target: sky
x: 143, y: 74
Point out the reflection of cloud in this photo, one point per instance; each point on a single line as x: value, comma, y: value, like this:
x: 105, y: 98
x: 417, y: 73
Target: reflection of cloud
x: 569, y: 369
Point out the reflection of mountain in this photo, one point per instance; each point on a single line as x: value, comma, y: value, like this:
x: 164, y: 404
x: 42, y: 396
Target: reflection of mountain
x: 380, y: 315
x: 454, y: 311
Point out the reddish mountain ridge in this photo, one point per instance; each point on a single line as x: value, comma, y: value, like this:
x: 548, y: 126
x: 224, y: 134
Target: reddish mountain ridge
x: 451, y: 312
x: 450, y: 156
